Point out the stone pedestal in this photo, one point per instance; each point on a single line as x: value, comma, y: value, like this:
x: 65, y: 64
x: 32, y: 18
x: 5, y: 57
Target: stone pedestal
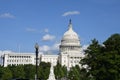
x: 51, y: 75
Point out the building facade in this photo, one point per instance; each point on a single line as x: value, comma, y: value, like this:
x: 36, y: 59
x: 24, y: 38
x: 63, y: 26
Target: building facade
x: 69, y: 54
x: 11, y: 58
x: 70, y: 49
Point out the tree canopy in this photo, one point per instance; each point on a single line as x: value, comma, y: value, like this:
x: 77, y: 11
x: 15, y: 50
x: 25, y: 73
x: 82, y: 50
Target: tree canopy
x: 24, y: 71
x: 103, y: 60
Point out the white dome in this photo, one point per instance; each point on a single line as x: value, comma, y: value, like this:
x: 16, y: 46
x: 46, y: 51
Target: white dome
x: 70, y: 38
x: 70, y: 34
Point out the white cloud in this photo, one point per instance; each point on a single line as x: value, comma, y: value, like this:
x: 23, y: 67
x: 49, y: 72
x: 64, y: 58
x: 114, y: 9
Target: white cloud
x: 46, y: 30
x: 71, y: 13
x: 44, y: 48
x: 7, y: 15
x: 48, y: 37
x: 55, y: 46
x: 31, y: 30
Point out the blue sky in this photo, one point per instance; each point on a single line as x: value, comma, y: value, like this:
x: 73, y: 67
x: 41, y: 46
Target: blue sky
x: 25, y: 22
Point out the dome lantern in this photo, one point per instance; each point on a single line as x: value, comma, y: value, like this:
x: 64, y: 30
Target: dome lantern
x: 70, y: 25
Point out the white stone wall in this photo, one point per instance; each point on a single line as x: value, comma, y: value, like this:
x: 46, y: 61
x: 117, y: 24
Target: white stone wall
x: 50, y: 58
x: 19, y: 58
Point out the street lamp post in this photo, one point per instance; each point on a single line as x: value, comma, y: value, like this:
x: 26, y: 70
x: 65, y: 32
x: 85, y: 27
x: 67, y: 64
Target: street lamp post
x: 36, y: 52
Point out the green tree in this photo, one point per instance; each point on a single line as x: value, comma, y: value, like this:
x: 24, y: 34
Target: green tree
x: 91, y: 59
x: 29, y: 71
x: 112, y: 61
x: 7, y: 74
x: 73, y: 74
x: 82, y: 73
x: 43, y: 70
x: 103, y: 61
x: 60, y: 71
x: 17, y: 71
x: 77, y: 73
x: 1, y: 71
x: 65, y: 72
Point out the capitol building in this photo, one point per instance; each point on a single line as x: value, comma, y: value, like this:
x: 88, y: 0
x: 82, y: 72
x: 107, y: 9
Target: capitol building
x: 70, y: 53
